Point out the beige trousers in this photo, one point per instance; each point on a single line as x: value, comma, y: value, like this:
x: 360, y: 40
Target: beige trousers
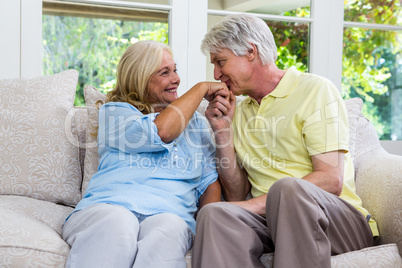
x: 304, y: 226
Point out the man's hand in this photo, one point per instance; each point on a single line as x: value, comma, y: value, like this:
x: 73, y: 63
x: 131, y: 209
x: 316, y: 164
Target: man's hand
x: 256, y: 205
x: 220, y: 110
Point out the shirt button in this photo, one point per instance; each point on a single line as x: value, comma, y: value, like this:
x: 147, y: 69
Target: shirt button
x: 175, y: 157
x: 175, y: 149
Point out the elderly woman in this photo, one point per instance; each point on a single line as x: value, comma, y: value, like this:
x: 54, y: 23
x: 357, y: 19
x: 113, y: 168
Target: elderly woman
x: 156, y: 167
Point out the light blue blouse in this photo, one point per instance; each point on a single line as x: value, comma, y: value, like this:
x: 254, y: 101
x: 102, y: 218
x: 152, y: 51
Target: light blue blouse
x: 145, y: 175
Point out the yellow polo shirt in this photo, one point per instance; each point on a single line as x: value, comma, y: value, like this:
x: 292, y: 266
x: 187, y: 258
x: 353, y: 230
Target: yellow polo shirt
x: 304, y: 116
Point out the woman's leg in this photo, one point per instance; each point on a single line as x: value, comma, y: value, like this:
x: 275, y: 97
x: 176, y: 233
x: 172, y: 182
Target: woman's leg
x: 101, y: 235
x: 163, y: 241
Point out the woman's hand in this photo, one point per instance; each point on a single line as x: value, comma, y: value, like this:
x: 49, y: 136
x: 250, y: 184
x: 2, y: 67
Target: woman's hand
x: 215, y: 89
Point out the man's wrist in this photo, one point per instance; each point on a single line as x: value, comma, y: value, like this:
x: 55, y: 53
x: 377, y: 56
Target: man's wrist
x: 223, y: 137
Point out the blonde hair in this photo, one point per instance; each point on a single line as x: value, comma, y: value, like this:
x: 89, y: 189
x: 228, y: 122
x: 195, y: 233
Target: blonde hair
x: 138, y: 64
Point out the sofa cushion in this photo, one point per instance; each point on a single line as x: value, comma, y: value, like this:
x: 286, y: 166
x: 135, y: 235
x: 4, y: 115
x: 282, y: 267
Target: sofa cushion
x: 379, y: 184
x: 48, y: 213
x: 383, y: 256
x: 30, y: 233
x: 93, y: 99
x: 36, y: 157
x: 367, y: 139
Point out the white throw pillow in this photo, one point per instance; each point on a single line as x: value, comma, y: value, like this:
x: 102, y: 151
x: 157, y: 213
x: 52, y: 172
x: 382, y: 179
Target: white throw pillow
x: 37, y: 158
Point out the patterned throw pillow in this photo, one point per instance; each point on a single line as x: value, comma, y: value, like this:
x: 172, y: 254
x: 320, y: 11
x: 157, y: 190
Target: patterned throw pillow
x: 354, y: 108
x: 92, y: 96
x: 37, y: 158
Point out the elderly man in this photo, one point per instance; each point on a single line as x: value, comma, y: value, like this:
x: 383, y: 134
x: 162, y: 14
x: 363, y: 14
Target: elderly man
x: 287, y: 145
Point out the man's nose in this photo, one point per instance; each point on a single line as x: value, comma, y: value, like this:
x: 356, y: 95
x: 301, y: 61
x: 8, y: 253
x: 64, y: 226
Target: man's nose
x: 217, y: 73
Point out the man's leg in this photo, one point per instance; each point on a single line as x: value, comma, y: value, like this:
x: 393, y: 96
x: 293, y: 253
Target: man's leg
x: 163, y: 241
x: 308, y: 225
x: 229, y: 236
x: 101, y: 236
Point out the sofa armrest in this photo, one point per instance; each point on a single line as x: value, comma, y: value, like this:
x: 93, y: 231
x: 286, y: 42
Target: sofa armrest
x: 379, y: 184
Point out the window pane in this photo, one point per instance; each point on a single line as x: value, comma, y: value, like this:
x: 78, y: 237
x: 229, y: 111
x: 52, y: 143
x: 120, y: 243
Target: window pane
x: 372, y: 71
x: 374, y: 11
x: 300, y: 8
x: 93, y: 45
x: 292, y: 40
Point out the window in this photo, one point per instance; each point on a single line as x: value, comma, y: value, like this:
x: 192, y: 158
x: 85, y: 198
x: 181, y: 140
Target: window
x: 372, y: 62
x: 91, y: 39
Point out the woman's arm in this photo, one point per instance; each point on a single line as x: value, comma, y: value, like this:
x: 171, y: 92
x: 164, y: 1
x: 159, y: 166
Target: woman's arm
x: 174, y: 118
x: 212, y: 194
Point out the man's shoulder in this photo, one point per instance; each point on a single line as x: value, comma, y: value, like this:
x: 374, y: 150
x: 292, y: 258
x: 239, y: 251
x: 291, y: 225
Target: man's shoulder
x: 316, y: 79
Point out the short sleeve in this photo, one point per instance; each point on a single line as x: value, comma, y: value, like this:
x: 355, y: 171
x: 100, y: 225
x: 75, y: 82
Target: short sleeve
x: 123, y: 127
x: 326, y: 128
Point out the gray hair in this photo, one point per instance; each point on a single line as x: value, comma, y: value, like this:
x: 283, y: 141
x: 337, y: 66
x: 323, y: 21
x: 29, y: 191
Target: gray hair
x: 237, y: 33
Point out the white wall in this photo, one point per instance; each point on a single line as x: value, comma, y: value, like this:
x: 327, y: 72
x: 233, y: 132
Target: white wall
x: 10, y: 39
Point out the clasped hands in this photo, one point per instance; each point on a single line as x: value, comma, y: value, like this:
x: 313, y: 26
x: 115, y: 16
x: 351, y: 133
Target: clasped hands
x: 222, y: 102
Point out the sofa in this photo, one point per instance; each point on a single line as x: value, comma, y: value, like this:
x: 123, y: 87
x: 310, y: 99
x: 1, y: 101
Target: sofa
x: 48, y: 153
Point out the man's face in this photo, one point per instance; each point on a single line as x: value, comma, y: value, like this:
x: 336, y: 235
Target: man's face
x: 233, y: 70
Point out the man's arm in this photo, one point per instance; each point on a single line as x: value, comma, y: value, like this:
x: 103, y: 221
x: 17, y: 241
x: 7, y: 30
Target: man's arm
x: 328, y: 171
x: 232, y: 176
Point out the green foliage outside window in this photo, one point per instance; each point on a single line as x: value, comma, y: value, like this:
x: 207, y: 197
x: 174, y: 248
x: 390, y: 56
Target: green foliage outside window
x: 292, y: 41
x: 93, y: 47
x: 372, y: 62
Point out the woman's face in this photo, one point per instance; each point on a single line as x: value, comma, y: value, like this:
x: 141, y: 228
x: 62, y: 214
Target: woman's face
x: 162, y: 87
